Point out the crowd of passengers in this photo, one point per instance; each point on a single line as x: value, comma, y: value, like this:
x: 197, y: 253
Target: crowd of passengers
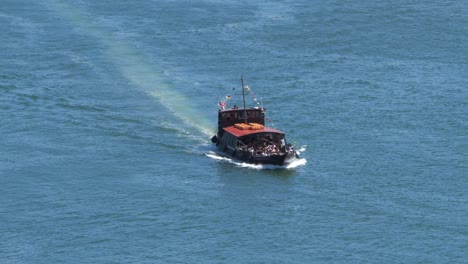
x: 263, y: 144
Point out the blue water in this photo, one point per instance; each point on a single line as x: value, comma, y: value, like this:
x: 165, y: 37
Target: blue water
x: 107, y: 109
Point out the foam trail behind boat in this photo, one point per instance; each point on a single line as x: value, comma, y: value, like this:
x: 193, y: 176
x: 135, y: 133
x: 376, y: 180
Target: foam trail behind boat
x: 133, y: 67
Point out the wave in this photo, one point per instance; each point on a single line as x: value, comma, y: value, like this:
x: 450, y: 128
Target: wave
x: 292, y: 165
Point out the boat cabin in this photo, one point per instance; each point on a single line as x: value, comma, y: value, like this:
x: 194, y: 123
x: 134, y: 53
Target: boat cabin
x: 230, y: 117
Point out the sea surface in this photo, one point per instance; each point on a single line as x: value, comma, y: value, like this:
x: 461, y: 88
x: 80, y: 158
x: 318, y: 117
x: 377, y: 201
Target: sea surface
x: 107, y: 109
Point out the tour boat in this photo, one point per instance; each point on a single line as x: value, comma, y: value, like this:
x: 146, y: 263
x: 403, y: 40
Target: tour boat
x: 243, y: 135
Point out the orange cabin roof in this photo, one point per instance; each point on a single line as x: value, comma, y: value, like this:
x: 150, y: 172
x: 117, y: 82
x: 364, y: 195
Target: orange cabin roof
x: 244, y: 132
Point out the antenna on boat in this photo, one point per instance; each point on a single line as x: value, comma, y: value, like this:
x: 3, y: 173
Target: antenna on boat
x: 243, y: 98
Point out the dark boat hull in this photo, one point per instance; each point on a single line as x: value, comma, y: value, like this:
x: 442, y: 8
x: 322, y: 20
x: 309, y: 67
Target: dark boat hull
x: 271, y: 159
x: 252, y: 158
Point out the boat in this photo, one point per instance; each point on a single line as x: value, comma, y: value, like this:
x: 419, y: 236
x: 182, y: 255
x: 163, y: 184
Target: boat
x: 243, y: 135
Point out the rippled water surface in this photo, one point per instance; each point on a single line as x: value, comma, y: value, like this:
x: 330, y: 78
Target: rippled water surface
x: 107, y: 109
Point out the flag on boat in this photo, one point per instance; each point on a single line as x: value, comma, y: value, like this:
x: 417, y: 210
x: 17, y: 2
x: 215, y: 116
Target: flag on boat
x: 222, y: 104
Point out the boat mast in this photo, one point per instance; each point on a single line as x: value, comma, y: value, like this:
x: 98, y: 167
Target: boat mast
x: 243, y: 97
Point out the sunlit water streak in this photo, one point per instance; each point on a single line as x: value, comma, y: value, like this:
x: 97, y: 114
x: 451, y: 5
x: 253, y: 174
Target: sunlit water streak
x: 134, y: 67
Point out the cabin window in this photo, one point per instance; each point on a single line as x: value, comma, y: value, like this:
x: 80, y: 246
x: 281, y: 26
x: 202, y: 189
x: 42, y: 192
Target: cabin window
x: 229, y: 115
